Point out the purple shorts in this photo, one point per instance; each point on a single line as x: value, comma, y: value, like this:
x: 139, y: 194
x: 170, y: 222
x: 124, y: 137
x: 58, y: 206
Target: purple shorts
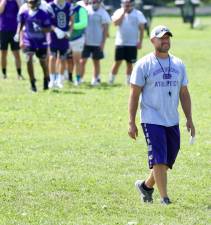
x: 163, y: 144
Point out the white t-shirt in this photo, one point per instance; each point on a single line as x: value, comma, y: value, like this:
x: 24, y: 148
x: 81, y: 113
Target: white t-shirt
x: 94, y: 30
x: 128, y: 31
x: 160, y: 96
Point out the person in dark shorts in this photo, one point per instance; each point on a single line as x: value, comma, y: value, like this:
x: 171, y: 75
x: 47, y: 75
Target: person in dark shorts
x: 95, y: 37
x: 8, y: 25
x: 161, y: 80
x: 130, y: 31
x: 36, y: 21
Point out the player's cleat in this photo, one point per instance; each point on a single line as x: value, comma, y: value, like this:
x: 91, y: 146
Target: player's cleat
x: 165, y: 201
x: 4, y: 76
x: 145, y: 195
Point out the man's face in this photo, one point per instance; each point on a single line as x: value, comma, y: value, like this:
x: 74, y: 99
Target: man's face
x: 95, y: 4
x: 127, y: 6
x: 162, y: 44
x: 32, y: 4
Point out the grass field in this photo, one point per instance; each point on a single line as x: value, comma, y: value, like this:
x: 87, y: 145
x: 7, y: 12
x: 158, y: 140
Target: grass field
x: 66, y: 158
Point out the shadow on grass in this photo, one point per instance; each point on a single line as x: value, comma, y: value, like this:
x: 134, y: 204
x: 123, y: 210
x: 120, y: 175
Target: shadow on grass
x: 102, y: 86
x: 70, y: 91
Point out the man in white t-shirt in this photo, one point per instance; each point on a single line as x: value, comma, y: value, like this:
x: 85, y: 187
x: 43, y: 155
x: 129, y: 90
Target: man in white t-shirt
x: 95, y: 37
x: 161, y: 80
x: 129, y: 36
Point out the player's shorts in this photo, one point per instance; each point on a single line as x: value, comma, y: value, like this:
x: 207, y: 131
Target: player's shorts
x: 6, y: 39
x: 62, y: 53
x: 41, y: 53
x: 128, y: 53
x: 94, y: 51
x: 163, y: 144
x: 77, y: 45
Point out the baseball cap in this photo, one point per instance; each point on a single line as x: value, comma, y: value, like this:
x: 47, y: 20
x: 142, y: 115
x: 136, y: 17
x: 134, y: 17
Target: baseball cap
x: 159, y: 31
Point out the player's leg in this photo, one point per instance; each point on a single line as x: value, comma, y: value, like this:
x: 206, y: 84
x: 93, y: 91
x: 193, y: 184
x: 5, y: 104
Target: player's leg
x: 97, y: 55
x: 52, y: 67
x: 119, y: 56
x: 16, y: 53
x: 4, y: 41
x: 42, y: 55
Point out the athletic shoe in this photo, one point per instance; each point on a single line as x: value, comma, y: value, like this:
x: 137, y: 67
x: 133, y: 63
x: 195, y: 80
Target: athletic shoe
x: 20, y: 77
x: 95, y: 82
x: 51, y: 84
x: 33, y: 86
x: 4, y: 76
x: 165, y: 201
x: 59, y: 83
x: 111, y: 79
x: 146, y: 195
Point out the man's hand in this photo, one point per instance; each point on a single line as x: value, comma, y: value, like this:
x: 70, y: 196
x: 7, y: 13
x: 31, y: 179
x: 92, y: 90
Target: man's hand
x: 190, y: 127
x: 139, y: 45
x: 133, y: 130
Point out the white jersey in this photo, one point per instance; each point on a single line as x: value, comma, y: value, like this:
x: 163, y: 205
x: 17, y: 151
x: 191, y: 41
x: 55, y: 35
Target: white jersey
x: 128, y: 31
x: 161, y: 80
x: 94, y: 30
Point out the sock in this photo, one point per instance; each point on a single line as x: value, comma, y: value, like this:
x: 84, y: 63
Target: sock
x: 112, y: 77
x: 52, y: 76
x: 145, y: 187
x: 70, y: 77
x: 78, y: 77
x: 19, y: 71
x: 4, y: 71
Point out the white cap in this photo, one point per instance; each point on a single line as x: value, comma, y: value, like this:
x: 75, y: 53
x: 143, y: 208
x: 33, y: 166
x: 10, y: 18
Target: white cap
x: 159, y: 31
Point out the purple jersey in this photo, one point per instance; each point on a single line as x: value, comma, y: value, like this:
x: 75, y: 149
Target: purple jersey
x: 34, y: 22
x: 60, y: 17
x: 8, y: 19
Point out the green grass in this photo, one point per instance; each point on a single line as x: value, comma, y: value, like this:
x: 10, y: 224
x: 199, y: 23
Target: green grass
x: 66, y: 158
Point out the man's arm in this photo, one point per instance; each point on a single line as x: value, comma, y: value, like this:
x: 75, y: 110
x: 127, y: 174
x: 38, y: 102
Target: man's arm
x: 2, y: 5
x: 186, y: 106
x: 105, y: 35
x: 141, y: 36
x: 132, y: 108
x: 117, y: 19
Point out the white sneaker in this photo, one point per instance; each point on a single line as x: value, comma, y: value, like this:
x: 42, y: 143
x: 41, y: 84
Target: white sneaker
x: 51, y: 84
x: 59, y: 84
x: 111, y: 79
x: 95, y: 82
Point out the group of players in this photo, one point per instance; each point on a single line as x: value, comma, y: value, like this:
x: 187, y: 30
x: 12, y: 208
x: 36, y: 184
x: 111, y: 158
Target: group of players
x: 63, y: 34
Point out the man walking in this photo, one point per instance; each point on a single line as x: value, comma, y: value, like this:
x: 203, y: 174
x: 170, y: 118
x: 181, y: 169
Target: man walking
x: 36, y: 23
x: 95, y: 38
x: 8, y: 25
x: 130, y: 31
x: 161, y: 80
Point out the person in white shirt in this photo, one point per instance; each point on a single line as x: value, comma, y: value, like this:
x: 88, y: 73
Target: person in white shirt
x: 129, y: 36
x: 95, y: 38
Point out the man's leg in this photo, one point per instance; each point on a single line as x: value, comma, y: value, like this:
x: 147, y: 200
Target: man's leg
x: 17, y: 57
x: 83, y: 62
x: 52, y: 70
x: 43, y: 63
x: 4, y: 63
x: 129, y: 68
x: 114, y: 71
x: 76, y: 61
x: 30, y: 70
x: 96, y: 73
